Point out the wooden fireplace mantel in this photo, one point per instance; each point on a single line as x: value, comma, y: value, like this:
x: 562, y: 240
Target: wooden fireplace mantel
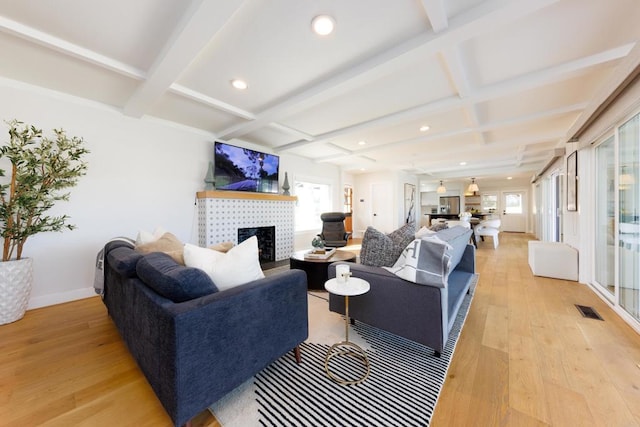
x: 213, y: 194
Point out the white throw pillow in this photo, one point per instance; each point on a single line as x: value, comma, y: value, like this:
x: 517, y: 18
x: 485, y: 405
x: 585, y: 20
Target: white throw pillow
x: 145, y: 236
x: 240, y: 265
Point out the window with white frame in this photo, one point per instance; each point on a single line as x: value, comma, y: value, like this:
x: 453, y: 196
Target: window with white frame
x: 489, y: 202
x: 313, y: 200
x: 513, y: 203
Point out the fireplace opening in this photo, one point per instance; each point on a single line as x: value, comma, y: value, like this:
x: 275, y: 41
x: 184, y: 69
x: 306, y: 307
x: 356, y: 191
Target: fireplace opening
x: 266, y: 241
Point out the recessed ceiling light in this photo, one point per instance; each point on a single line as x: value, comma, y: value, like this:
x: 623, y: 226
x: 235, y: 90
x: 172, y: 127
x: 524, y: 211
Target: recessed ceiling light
x: 424, y: 128
x: 463, y: 163
x: 362, y: 142
x: 509, y: 177
x: 323, y: 25
x: 239, y: 84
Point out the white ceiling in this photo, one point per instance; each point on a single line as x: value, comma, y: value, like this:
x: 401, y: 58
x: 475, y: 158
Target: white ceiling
x: 500, y: 83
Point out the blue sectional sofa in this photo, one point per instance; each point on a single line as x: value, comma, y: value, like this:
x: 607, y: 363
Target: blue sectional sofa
x: 421, y: 313
x: 194, y: 344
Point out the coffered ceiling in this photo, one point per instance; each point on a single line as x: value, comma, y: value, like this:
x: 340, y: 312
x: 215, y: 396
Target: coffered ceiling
x: 499, y: 83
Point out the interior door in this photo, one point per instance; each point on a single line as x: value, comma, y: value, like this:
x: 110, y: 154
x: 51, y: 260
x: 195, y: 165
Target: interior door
x: 514, y: 211
x: 382, y: 206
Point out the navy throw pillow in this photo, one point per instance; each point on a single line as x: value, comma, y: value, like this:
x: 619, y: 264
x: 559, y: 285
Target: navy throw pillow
x: 173, y: 281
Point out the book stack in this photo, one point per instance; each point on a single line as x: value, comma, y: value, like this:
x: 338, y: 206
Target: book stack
x: 319, y: 253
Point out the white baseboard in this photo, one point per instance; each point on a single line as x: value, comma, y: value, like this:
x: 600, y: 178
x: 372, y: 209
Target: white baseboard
x: 59, y: 298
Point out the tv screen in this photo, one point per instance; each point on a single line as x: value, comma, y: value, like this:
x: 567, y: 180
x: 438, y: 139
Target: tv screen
x: 242, y: 169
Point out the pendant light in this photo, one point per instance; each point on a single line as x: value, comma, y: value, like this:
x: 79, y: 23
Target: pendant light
x: 473, y: 187
x: 441, y: 189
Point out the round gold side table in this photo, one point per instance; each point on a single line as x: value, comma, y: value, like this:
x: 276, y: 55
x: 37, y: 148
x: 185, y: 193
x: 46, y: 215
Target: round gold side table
x: 353, y: 286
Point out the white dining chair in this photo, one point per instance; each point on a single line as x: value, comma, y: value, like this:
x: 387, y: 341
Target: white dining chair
x: 489, y: 227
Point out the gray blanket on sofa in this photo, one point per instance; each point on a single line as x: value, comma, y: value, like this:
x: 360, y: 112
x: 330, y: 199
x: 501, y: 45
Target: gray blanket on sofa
x: 425, y: 261
x: 98, y: 279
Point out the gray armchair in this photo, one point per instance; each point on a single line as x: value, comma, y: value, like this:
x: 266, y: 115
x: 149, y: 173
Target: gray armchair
x: 333, y: 232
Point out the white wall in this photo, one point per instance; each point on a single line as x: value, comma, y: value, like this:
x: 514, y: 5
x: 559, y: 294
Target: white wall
x: 142, y: 173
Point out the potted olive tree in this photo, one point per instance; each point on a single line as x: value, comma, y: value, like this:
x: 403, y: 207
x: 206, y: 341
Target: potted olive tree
x: 41, y: 169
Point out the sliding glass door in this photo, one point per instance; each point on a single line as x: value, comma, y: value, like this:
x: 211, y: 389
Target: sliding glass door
x: 605, y: 242
x: 617, y: 217
x: 629, y: 216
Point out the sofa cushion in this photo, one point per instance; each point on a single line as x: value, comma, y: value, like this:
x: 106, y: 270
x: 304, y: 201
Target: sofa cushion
x: 240, y: 265
x: 382, y: 250
x: 458, y: 237
x: 176, y: 282
x: 124, y: 260
x: 168, y: 243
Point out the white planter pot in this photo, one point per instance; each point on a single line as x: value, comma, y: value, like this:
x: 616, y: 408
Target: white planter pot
x: 16, y: 278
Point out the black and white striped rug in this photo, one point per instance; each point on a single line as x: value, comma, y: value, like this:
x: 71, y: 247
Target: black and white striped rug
x: 401, y: 390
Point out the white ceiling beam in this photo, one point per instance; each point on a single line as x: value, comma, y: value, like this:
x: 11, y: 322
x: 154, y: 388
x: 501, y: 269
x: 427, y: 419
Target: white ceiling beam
x: 445, y: 151
x: 211, y: 102
x: 202, y: 20
x: 456, y: 72
x: 607, y: 93
x: 566, y: 109
x: 551, y: 74
x: 47, y: 40
x: 437, y: 14
x: 444, y: 169
x: 291, y: 131
x: 480, y: 166
x: 43, y: 39
x: 505, y: 88
x: 339, y: 148
x: 476, y: 21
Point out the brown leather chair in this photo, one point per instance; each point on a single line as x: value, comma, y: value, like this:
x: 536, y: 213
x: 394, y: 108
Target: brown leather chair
x: 333, y: 232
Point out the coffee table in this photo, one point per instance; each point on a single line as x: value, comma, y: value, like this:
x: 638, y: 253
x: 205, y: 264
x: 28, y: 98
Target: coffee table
x: 352, y: 287
x: 318, y: 269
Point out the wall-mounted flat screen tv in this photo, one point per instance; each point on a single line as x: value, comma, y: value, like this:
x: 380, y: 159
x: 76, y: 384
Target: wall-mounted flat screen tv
x: 242, y: 169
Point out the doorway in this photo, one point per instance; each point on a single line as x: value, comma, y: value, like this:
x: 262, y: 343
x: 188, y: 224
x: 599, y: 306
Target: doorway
x: 382, y: 206
x: 514, y: 211
x: 348, y: 208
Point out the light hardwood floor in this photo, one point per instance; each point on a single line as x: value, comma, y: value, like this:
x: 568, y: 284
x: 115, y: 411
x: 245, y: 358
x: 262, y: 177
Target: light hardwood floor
x: 525, y: 358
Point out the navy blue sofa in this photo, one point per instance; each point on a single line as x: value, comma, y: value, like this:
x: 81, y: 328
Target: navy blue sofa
x: 195, y: 351
x: 421, y: 313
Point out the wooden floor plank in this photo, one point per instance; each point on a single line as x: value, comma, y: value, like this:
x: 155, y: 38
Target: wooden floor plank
x: 561, y: 369
x: 526, y: 383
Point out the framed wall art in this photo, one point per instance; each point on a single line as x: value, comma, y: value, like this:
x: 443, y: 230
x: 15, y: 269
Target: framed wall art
x: 409, y: 203
x: 572, y: 181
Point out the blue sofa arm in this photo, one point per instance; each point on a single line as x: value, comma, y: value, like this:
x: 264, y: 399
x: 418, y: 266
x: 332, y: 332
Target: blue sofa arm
x: 195, y: 352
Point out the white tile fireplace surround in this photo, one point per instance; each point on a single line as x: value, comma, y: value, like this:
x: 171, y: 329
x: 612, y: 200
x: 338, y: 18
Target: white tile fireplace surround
x: 222, y: 213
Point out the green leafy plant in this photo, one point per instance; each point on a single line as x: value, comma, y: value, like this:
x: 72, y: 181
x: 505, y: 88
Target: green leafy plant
x: 41, y: 169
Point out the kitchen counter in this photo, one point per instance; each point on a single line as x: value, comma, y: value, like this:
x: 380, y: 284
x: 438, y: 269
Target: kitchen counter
x: 478, y: 215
